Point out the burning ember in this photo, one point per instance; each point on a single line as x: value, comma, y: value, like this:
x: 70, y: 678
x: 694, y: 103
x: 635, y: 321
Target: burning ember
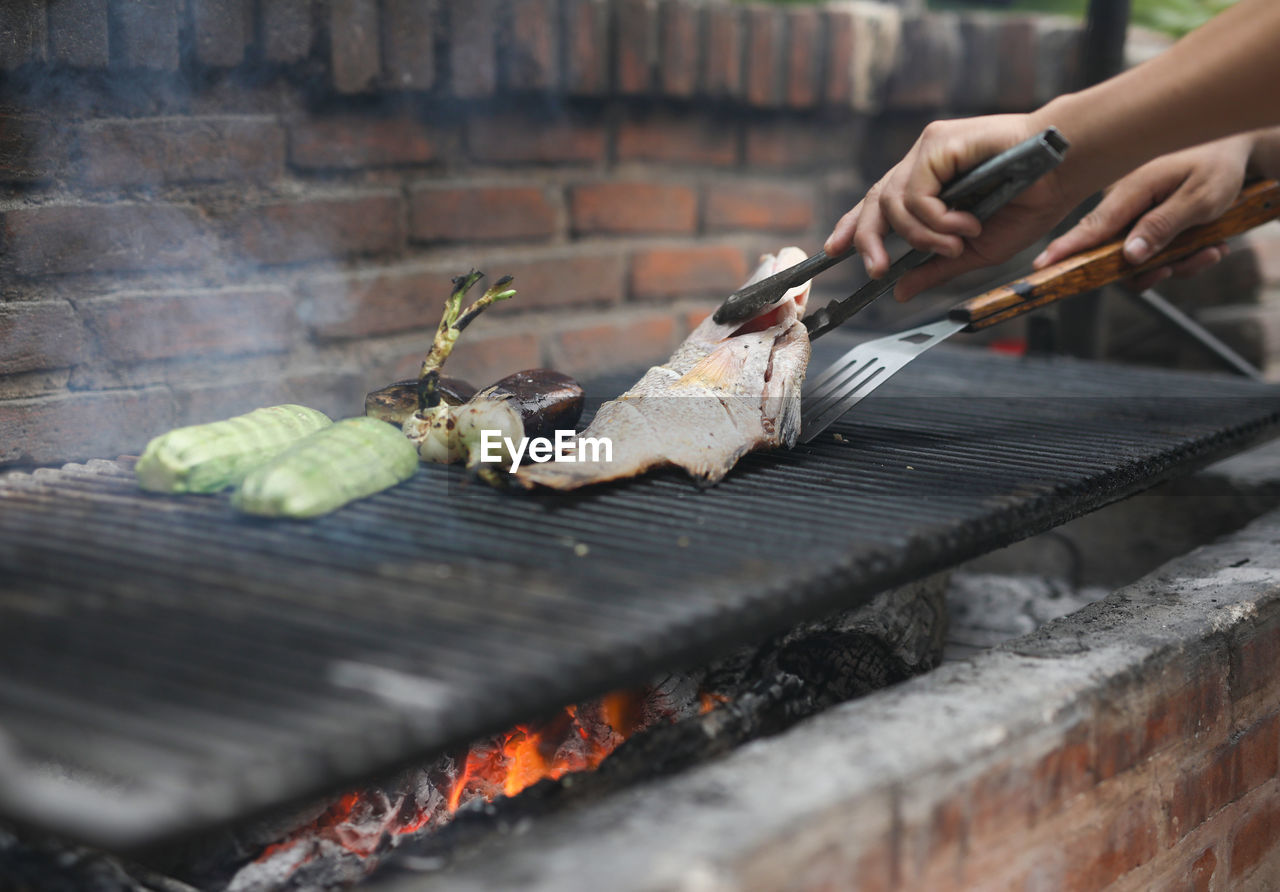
x: 369, y: 822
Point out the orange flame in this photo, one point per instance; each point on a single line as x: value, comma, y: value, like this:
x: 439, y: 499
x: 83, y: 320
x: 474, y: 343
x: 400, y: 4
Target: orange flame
x: 575, y: 739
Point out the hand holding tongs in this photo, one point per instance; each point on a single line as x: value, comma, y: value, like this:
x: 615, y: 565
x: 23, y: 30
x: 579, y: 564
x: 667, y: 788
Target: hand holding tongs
x: 864, y: 368
x: 982, y: 191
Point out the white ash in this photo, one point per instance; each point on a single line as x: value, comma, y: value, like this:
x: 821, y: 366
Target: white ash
x: 987, y: 609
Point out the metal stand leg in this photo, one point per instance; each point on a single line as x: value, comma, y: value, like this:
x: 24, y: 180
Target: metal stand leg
x: 1179, y: 320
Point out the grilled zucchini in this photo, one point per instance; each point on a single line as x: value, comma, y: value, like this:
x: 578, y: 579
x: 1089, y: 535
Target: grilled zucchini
x: 210, y: 457
x: 354, y: 458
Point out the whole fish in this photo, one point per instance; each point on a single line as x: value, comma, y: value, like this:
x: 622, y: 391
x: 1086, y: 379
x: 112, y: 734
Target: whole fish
x: 727, y: 390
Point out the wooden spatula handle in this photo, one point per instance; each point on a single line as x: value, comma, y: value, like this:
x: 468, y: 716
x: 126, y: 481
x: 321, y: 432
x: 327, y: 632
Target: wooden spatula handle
x: 1258, y: 203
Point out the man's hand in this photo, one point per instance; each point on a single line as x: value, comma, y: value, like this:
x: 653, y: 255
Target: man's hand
x: 906, y: 201
x: 1165, y: 196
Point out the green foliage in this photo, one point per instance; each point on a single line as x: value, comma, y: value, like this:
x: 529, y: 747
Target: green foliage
x: 1171, y: 16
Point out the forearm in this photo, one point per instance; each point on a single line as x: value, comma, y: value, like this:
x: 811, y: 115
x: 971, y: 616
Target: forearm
x: 1218, y: 80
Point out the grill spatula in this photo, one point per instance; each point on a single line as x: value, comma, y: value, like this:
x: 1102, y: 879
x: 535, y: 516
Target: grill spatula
x: 870, y: 364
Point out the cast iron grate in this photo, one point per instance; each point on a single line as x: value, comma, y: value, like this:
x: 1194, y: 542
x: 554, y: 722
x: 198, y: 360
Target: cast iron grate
x: 166, y: 666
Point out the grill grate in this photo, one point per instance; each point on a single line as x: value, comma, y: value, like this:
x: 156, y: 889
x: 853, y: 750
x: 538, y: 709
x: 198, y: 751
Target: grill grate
x: 166, y: 666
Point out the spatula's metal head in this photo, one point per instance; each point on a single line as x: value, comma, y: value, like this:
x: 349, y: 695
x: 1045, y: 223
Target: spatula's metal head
x: 860, y: 371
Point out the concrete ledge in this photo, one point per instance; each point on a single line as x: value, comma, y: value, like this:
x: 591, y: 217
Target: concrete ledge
x: 1134, y: 742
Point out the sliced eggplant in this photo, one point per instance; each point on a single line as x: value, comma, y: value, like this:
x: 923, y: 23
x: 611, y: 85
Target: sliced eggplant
x: 547, y: 400
x: 396, y: 402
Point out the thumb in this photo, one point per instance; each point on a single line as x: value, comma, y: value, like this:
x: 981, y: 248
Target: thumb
x: 1104, y: 222
x: 1161, y: 224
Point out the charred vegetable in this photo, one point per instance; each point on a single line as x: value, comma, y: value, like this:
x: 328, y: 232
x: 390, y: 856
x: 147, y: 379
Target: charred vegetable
x: 354, y: 458
x: 532, y: 403
x: 396, y: 402
x: 209, y: 457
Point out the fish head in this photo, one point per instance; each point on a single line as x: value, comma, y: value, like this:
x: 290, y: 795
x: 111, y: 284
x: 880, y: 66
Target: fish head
x: 742, y: 357
x: 783, y: 312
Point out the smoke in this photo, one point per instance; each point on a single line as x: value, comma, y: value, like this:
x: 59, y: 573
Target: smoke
x: 158, y: 242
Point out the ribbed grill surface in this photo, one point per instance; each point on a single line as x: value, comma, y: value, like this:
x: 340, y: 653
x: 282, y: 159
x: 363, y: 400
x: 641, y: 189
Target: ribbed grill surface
x: 186, y: 666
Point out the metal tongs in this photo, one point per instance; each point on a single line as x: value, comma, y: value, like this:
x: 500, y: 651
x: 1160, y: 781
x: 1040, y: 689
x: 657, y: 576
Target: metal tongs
x: 982, y: 191
x: 870, y: 364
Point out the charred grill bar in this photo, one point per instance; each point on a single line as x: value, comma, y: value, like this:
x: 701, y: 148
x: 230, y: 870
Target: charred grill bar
x: 166, y: 666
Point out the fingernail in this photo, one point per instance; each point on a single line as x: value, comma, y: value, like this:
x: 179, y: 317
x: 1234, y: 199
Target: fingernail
x: 1137, y: 250
x: 866, y: 263
x: 1041, y: 259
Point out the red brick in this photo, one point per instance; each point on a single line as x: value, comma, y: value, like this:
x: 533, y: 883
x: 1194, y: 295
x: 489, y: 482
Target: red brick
x: 587, y: 39
x: 633, y: 208
x: 152, y: 151
x: 678, y: 140
x: 533, y: 50
x: 221, y: 30
x: 1002, y: 797
x: 561, y: 280
x: 1258, y: 748
x: 1202, y: 790
x: 768, y: 207
x: 351, y: 142
x: 932, y: 850
x: 1254, y: 659
x: 877, y: 869
x: 694, y: 318
x: 686, y: 272
x: 1127, y: 840
x: 636, y: 51
x: 838, y: 78
x: 408, y: 42
x: 22, y: 33
x: 977, y: 82
x: 1017, y: 64
x: 481, y: 358
x: 82, y: 425
x: 294, y: 232
x: 473, y: 49
x: 928, y: 63
x: 148, y: 33
x: 32, y: 147
x: 1255, y: 837
x: 1130, y: 735
x: 104, y: 238
x: 287, y: 30
x: 764, y: 55
x: 480, y: 213
x: 609, y: 346
x: 136, y: 327
x: 78, y: 33
x: 680, y: 43
x: 1201, y: 872
x: 1063, y: 772
x: 1194, y: 705
x: 514, y: 137
x: 356, y: 305
x: 353, y: 44
x: 804, y: 53
x: 795, y: 144
x: 722, y: 74
x: 336, y: 392
x: 38, y: 335
x: 1058, y: 50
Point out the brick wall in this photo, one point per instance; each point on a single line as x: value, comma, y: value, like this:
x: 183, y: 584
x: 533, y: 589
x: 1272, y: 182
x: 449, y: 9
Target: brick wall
x: 208, y: 205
